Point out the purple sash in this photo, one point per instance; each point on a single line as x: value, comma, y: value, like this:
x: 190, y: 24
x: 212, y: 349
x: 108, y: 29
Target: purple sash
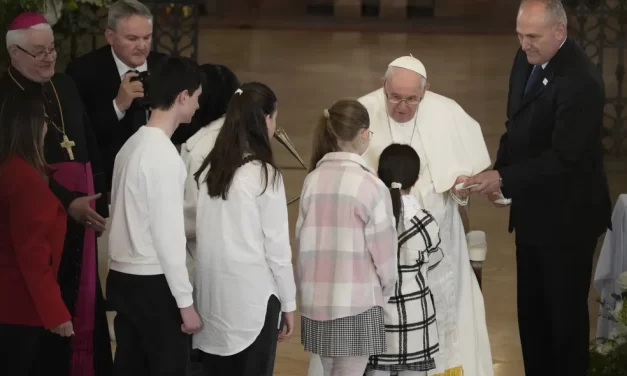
x: 77, y: 177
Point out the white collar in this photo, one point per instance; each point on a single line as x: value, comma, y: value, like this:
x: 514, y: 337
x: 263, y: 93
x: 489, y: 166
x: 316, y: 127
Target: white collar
x: 545, y: 64
x: 123, y: 68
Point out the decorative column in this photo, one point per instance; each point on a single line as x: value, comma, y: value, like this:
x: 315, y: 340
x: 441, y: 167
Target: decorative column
x: 600, y: 26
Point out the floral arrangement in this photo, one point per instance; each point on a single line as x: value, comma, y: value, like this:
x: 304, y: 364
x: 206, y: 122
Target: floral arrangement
x: 608, y: 356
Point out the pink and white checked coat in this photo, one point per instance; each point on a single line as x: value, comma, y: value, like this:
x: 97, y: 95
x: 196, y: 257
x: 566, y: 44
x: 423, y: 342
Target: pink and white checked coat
x: 347, y: 239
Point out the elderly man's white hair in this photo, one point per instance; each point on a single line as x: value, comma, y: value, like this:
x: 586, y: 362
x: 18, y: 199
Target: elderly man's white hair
x: 18, y: 37
x: 390, y: 71
x: 554, y: 10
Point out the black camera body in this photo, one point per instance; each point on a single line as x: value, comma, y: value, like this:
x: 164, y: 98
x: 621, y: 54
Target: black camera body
x: 143, y: 77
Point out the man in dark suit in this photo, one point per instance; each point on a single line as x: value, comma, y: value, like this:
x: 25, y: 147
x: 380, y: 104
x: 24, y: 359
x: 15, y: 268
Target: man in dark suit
x: 104, y: 79
x: 550, y: 165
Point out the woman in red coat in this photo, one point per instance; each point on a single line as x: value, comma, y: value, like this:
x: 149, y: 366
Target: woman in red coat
x: 32, y: 229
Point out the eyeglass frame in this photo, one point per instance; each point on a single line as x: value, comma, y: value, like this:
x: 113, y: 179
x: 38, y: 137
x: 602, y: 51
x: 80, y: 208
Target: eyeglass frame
x: 41, y: 56
x: 400, y: 100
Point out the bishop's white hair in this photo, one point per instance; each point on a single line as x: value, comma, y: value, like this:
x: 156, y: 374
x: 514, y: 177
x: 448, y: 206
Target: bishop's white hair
x: 18, y: 37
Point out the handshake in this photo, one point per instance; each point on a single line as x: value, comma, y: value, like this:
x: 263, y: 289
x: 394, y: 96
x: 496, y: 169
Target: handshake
x: 488, y: 183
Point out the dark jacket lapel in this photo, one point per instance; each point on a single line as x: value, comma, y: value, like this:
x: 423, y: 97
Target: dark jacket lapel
x: 547, y: 76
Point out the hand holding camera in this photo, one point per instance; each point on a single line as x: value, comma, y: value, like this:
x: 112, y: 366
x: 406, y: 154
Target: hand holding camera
x: 132, y: 87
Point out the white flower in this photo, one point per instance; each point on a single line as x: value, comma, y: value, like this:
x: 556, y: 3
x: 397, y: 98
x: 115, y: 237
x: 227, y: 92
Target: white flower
x: 622, y: 281
x: 53, y: 11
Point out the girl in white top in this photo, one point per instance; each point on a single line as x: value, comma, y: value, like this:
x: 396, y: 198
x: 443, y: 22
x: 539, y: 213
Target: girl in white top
x: 244, y: 275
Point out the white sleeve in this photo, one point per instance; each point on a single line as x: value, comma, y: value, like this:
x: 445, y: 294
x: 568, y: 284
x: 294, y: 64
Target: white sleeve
x: 164, y: 188
x: 118, y: 112
x: 274, y: 223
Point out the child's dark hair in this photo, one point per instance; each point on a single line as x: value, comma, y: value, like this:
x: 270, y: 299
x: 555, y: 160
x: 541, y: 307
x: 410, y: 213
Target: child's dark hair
x: 170, y: 77
x: 398, y: 164
x: 245, y: 131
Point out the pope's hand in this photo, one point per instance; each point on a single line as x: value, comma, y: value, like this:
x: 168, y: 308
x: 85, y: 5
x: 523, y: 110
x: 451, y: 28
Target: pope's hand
x: 81, y: 212
x: 488, y: 182
x: 129, y: 91
x: 463, y: 193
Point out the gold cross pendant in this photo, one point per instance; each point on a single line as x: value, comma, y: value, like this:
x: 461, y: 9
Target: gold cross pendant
x: 67, y: 145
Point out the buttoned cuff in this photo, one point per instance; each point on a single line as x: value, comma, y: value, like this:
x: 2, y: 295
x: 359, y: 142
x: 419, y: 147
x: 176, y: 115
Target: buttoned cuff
x: 288, y: 306
x: 119, y: 113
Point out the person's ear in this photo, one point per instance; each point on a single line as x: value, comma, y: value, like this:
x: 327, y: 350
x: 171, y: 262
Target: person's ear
x: 109, y: 34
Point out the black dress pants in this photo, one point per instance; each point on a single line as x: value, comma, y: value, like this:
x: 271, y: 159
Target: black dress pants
x: 258, y: 358
x: 553, y: 285
x: 18, y: 348
x: 147, y: 327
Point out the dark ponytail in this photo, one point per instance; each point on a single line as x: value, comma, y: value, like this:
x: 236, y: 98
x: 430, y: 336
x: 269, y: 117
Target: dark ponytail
x: 245, y: 131
x: 398, y: 164
x: 341, y: 122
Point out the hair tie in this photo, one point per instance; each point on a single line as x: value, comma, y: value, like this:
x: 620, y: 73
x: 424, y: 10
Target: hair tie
x: 238, y: 91
x: 396, y: 186
x: 326, y: 113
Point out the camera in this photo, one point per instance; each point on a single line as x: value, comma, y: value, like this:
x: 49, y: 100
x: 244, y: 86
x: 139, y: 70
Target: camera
x: 144, y: 78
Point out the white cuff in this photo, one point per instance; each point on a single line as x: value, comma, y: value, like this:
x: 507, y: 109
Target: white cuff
x: 117, y: 111
x: 288, y: 306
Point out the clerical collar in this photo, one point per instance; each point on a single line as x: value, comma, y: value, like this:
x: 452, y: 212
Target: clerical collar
x: 22, y: 80
x: 123, y: 68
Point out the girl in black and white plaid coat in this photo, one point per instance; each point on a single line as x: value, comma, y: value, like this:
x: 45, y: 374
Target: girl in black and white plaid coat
x: 410, y: 317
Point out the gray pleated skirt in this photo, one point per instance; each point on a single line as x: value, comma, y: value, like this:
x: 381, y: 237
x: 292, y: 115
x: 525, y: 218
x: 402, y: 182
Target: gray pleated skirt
x: 360, y: 335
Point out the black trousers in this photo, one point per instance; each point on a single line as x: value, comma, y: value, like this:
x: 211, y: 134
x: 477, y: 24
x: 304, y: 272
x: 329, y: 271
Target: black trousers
x: 18, y: 348
x: 553, y: 285
x: 147, y: 327
x: 258, y: 358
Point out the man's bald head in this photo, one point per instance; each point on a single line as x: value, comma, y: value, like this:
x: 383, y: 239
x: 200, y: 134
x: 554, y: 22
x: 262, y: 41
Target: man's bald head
x: 404, y: 89
x: 541, y: 27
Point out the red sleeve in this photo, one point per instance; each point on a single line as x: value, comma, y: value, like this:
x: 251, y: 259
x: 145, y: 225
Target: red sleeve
x: 33, y: 212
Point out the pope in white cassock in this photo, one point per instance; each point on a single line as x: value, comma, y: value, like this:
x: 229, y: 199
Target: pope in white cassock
x: 451, y: 148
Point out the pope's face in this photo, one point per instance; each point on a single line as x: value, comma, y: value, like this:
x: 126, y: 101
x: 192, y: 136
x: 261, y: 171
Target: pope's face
x: 540, y: 36
x: 403, y: 90
x: 36, y: 59
x: 131, y: 40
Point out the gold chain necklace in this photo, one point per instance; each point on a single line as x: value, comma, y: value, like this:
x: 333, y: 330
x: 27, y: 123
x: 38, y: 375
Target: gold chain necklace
x: 67, y: 144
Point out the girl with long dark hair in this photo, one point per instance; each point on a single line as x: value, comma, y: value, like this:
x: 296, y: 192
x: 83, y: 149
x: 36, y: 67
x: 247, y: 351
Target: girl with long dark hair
x: 32, y: 231
x: 347, y: 246
x: 410, y: 318
x: 244, y: 276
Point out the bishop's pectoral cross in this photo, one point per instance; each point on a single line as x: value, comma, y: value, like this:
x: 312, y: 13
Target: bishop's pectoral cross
x: 67, y: 145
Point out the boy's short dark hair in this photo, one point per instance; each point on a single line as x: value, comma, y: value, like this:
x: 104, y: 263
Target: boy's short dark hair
x: 170, y: 77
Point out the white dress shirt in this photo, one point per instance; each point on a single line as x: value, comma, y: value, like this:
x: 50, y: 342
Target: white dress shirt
x: 122, y: 70
x: 243, y: 256
x: 147, y: 235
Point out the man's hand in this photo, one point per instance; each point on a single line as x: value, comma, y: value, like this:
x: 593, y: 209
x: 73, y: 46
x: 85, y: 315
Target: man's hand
x: 191, y: 320
x: 129, y: 91
x: 81, y: 212
x: 495, y: 196
x: 489, y: 182
x: 64, y: 330
x: 288, y: 326
x: 463, y: 193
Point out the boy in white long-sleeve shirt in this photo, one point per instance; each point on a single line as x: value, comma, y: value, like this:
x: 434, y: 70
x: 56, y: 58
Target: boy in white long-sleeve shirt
x: 148, y: 284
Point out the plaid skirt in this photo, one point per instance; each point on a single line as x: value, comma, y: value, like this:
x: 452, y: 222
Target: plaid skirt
x: 360, y: 335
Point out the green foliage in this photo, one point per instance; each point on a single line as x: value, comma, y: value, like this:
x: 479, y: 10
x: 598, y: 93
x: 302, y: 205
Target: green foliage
x: 614, y: 363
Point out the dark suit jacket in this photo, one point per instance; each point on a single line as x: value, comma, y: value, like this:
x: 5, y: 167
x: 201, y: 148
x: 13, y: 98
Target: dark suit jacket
x: 551, y: 158
x: 98, y: 81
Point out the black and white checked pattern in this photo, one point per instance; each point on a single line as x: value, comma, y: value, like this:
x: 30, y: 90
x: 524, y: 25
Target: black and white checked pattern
x: 360, y: 335
x: 410, y: 320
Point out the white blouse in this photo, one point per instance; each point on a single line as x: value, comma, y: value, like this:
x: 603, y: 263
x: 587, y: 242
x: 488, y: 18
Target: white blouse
x: 243, y: 256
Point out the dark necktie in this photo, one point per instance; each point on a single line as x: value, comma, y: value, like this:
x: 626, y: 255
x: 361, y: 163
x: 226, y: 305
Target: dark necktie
x: 535, y: 76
